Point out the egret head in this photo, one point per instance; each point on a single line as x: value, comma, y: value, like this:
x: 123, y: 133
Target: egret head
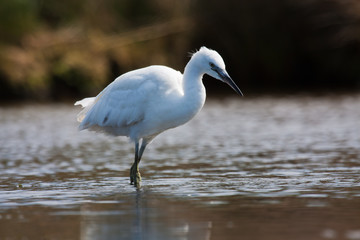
x: 213, y: 65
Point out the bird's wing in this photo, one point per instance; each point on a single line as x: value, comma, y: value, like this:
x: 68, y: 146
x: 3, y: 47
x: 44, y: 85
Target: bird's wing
x: 121, y: 104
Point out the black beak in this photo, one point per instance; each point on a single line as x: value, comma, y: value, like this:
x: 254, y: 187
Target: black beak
x: 224, y: 76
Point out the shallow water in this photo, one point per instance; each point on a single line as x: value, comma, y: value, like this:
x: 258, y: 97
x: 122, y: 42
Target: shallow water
x: 244, y: 168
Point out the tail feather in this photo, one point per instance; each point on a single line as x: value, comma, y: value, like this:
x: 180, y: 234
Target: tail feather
x: 86, y: 103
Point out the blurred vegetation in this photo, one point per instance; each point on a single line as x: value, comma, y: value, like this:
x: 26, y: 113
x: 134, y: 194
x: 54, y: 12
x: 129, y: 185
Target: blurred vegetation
x: 64, y: 49
x: 53, y: 49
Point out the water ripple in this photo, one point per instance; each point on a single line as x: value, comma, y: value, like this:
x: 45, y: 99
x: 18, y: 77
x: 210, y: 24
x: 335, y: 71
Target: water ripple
x: 307, y: 147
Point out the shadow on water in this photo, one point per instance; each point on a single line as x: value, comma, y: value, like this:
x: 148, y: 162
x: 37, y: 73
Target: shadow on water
x: 146, y: 216
x: 261, y: 168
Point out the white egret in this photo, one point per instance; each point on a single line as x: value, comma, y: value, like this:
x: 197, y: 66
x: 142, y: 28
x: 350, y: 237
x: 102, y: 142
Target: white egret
x: 141, y: 104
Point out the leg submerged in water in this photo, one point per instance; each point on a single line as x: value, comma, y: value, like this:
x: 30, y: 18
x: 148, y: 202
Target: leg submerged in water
x: 135, y: 177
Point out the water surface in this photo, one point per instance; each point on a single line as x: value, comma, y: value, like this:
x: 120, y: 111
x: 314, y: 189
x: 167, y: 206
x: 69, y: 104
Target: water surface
x: 244, y: 168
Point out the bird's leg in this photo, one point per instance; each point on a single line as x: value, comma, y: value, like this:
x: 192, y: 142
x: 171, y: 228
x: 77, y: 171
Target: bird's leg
x: 135, y: 167
x: 135, y: 177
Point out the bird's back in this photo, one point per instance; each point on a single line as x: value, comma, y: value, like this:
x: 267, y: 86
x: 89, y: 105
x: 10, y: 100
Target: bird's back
x: 125, y: 102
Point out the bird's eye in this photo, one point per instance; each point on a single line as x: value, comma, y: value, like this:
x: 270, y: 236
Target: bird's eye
x: 212, y: 65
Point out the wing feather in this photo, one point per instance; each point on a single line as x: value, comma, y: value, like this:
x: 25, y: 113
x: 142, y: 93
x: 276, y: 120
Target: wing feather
x: 120, y: 105
x: 125, y: 101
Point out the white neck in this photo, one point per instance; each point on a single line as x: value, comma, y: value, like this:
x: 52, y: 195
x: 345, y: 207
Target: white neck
x: 194, y: 90
x: 186, y: 105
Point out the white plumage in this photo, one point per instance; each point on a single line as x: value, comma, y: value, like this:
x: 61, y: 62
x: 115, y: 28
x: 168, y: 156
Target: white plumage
x: 142, y: 103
